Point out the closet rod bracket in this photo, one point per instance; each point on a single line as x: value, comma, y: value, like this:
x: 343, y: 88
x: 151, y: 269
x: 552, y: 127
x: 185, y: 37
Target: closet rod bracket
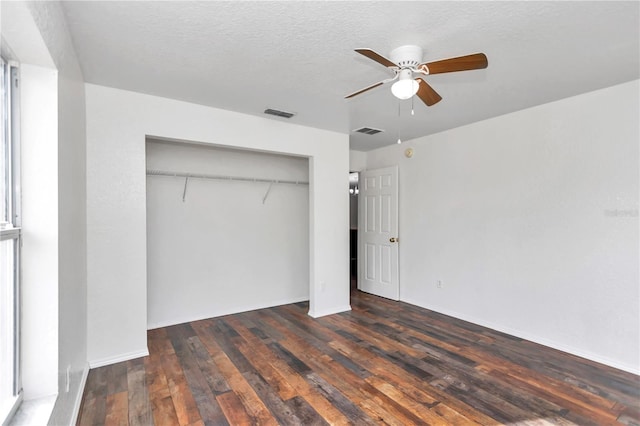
x: 184, y: 191
x: 266, y: 194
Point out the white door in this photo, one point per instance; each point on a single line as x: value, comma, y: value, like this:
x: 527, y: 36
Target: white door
x: 378, y: 233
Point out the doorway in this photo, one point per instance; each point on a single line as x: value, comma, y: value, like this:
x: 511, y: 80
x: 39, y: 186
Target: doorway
x: 354, y: 190
x: 227, y: 231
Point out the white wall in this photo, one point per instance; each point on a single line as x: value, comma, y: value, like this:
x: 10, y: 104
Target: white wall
x: 223, y: 250
x: 357, y: 160
x: 39, y: 287
x: 117, y: 124
x: 531, y: 221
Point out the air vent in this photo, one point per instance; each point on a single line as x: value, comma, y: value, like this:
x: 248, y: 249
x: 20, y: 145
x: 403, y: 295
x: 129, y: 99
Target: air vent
x: 279, y: 113
x: 368, y: 130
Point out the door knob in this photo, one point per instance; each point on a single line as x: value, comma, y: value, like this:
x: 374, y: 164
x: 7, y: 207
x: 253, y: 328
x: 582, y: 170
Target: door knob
x: 393, y: 240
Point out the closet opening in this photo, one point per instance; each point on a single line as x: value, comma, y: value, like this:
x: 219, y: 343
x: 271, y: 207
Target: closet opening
x: 227, y: 231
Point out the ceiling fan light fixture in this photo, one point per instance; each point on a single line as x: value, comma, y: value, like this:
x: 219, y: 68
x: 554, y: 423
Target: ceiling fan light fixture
x: 404, y: 89
x: 407, y: 61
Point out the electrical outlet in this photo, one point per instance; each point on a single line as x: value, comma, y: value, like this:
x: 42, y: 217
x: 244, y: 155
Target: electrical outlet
x: 68, y: 378
x: 439, y: 284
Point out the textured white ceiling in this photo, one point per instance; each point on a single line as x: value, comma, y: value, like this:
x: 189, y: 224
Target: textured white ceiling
x: 298, y: 56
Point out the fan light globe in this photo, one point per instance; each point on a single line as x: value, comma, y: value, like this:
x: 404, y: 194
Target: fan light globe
x: 404, y: 89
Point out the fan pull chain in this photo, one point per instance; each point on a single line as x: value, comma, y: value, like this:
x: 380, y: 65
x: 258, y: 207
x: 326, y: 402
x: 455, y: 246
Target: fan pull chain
x: 412, y: 98
x: 399, y: 123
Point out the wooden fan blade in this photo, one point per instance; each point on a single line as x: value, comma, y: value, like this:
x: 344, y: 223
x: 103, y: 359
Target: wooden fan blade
x: 461, y: 63
x: 373, y: 86
x: 376, y: 57
x: 426, y: 93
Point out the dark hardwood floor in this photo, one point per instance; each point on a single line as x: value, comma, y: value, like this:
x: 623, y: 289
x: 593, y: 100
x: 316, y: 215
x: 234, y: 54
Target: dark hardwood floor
x: 382, y: 363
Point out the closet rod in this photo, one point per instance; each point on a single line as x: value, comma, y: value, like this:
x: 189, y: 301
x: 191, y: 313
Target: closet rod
x: 221, y: 177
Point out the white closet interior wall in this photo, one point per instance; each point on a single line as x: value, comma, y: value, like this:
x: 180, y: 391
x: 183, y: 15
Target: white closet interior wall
x: 223, y: 250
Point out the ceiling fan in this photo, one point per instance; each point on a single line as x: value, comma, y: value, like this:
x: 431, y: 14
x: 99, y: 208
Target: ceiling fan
x: 406, y: 62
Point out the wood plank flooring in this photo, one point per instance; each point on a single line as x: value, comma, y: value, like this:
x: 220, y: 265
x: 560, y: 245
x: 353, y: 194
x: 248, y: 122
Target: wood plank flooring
x: 382, y: 363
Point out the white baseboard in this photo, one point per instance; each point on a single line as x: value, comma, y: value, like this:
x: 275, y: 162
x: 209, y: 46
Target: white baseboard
x: 532, y: 338
x: 78, y: 401
x: 248, y: 308
x: 101, y: 362
x: 330, y: 311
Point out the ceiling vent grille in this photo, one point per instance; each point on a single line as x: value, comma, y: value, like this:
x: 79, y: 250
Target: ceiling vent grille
x: 278, y: 113
x: 368, y: 130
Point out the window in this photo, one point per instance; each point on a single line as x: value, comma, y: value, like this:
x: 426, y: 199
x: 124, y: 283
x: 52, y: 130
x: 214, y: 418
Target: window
x: 9, y: 242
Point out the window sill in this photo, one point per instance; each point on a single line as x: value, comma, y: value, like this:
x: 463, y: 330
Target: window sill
x: 34, y: 412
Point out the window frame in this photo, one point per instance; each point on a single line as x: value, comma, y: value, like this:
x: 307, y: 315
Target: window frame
x: 11, y: 229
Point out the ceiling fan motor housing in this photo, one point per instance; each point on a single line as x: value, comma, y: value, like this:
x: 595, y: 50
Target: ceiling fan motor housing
x: 408, y: 56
